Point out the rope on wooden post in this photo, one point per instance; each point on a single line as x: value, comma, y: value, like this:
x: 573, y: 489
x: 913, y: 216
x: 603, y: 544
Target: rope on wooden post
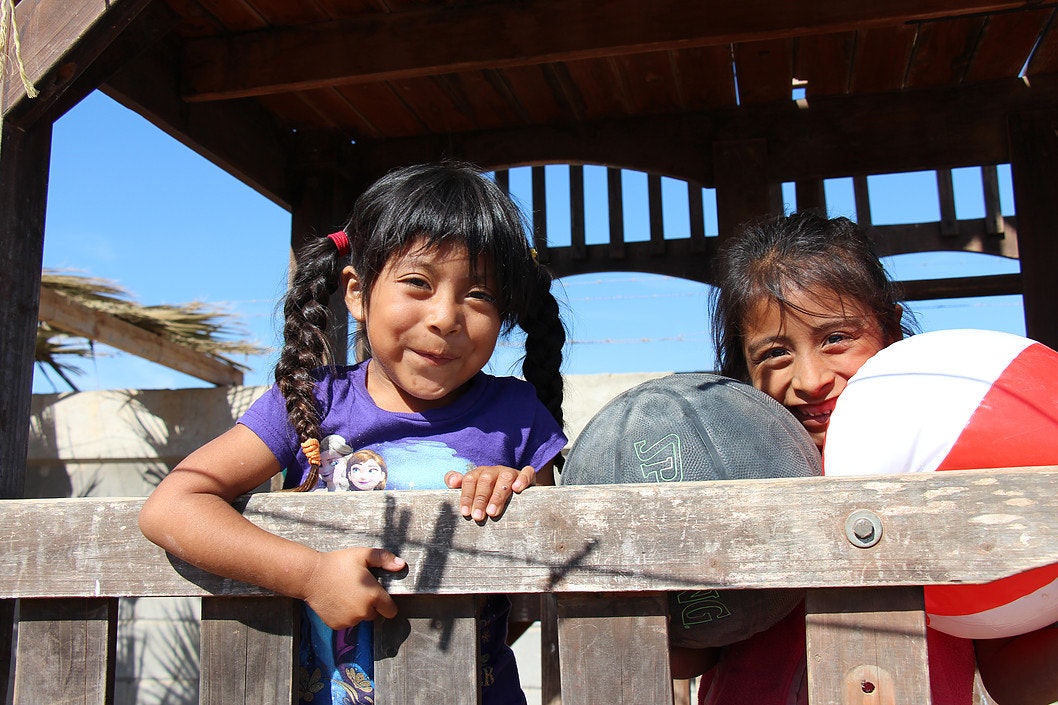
x: 7, y: 16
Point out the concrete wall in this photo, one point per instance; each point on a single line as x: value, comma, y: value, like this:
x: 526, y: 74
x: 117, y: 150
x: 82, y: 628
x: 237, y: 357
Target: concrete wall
x: 120, y: 443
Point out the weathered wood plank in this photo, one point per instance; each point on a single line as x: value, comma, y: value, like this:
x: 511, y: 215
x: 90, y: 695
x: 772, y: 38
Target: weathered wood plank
x: 71, y: 316
x: 60, y: 40
x: 66, y: 651
x: 429, y: 652
x: 248, y: 651
x: 402, y: 45
x: 614, y: 538
x: 866, y: 647
x: 603, y: 635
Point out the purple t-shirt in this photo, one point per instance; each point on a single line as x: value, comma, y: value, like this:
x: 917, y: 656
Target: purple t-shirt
x: 496, y: 421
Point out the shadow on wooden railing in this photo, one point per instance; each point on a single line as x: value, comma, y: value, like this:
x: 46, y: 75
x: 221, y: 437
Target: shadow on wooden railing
x: 603, y: 554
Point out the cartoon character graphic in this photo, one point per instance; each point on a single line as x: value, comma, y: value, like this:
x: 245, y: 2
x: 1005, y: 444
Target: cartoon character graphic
x: 334, y: 452
x: 365, y: 470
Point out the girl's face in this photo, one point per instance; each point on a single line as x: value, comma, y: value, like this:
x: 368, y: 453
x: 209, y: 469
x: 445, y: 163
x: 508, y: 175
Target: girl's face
x: 365, y: 475
x: 431, y: 326
x: 804, y: 360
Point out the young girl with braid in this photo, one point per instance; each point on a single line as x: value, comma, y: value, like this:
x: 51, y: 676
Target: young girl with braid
x: 434, y: 264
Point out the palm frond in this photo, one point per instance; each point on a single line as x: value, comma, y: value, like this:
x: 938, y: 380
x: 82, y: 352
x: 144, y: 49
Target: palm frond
x: 209, y: 330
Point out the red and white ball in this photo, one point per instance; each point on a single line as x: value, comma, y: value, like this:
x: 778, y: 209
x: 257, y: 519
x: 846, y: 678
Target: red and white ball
x: 956, y: 400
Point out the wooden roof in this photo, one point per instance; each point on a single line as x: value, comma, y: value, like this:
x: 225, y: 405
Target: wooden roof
x: 647, y: 85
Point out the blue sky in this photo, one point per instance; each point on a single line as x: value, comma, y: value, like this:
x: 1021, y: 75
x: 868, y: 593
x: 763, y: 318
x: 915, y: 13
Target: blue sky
x: 129, y: 204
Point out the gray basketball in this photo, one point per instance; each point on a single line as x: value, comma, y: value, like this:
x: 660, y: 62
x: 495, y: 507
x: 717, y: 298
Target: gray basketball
x: 690, y: 427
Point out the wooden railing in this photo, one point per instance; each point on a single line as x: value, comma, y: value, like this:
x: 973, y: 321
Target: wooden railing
x: 602, y: 555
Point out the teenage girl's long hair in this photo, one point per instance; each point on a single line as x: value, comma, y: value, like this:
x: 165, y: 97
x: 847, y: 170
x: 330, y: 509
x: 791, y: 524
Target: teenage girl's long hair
x: 424, y: 206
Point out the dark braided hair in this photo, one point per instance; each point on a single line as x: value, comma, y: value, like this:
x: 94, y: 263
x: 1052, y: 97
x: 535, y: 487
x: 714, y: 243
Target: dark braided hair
x: 800, y: 252
x: 446, y: 203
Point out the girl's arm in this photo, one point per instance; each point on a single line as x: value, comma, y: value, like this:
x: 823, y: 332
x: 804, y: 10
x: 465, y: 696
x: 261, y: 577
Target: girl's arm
x: 1020, y: 670
x: 190, y: 515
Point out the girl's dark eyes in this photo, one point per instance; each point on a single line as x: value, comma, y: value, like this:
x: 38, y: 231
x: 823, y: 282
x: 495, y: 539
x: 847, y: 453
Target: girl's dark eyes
x: 483, y: 296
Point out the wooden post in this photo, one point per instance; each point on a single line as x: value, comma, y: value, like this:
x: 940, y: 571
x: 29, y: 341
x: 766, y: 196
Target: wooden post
x: 743, y: 192
x: 539, y: 181
x: 24, y: 159
x: 321, y: 206
x: 811, y: 195
x: 615, y: 198
x: 576, y: 211
x: 1034, y: 171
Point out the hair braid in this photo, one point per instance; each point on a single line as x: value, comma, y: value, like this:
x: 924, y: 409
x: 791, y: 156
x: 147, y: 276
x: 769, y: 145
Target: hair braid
x: 306, y: 317
x: 545, y: 337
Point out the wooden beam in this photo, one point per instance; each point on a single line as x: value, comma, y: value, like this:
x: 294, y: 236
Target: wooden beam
x: 70, y: 316
x: 961, y: 287
x: 60, y: 40
x: 1034, y: 172
x: 826, y: 137
x: 404, y: 45
x: 623, y: 539
x: 239, y: 137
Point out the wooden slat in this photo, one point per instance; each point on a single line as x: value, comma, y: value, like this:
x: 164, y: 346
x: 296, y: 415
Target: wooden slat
x: 962, y: 287
x: 863, y: 200
x: 1045, y: 56
x: 824, y: 62
x: 706, y: 78
x: 629, y: 635
x: 764, y: 71
x: 650, y: 82
x: 866, y: 646
x: 576, y: 211
x: 616, y: 210
x: 943, y: 51
x: 880, y: 59
x: 972, y: 236
x: 655, y: 213
x: 811, y: 195
x: 550, y: 665
x: 949, y: 222
x: 1006, y: 42
x: 248, y: 651
x: 697, y: 216
x: 539, y: 189
x: 66, y: 651
x: 429, y: 653
x: 993, y: 210
x: 68, y: 315
x: 403, y: 45
x: 621, y: 541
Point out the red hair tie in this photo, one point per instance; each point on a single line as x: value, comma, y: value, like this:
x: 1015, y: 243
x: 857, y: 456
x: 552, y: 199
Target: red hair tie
x: 341, y: 241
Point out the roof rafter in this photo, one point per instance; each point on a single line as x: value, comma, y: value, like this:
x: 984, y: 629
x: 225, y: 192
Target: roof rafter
x: 406, y: 45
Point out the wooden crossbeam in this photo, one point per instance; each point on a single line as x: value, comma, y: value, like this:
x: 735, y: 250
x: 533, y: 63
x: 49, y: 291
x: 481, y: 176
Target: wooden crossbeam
x: 404, y: 45
x: 606, y: 538
x: 63, y: 313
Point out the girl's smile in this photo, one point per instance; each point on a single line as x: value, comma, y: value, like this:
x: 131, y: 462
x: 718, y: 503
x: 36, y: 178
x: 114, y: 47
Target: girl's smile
x: 803, y: 353
x: 432, y: 324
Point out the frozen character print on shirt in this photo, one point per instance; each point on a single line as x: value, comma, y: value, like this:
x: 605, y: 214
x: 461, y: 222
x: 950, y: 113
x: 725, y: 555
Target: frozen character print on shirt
x: 334, y: 453
x: 364, y: 470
